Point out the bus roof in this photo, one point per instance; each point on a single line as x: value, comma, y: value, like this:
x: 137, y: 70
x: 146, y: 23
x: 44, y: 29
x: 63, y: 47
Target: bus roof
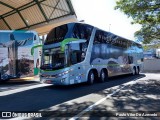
x: 103, y: 31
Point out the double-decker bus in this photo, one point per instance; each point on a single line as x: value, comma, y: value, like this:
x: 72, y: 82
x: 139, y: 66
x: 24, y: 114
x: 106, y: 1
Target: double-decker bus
x: 76, y: 52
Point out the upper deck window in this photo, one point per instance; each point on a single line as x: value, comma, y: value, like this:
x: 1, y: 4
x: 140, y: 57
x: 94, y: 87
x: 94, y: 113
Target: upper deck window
x: 56, y: 34
x: 82, y: 31
x: 109, y: 38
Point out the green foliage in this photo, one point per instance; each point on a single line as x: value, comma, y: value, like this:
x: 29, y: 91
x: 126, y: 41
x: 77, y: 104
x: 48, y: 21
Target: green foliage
x: 146, y: 13
x: 148, y: 47
x: 145, y: 48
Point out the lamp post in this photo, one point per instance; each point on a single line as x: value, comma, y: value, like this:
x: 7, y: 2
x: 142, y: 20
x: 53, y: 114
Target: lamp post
x: 109, y: 27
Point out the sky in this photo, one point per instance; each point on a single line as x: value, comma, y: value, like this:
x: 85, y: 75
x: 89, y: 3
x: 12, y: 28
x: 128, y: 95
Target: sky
x: 101, y: 14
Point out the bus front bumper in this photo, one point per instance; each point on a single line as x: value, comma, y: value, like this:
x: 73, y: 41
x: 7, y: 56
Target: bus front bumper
x: 55, y: 81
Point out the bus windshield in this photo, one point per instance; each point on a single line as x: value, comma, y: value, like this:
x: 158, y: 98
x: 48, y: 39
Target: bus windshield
x: 53, y: 60
x: 56, y: 34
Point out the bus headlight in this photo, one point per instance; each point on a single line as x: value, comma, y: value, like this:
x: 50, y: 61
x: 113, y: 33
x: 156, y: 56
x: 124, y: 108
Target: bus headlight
x: 59, y: 75
x: 63, y: 79
x: 56, y: 75
x: 64, y: 73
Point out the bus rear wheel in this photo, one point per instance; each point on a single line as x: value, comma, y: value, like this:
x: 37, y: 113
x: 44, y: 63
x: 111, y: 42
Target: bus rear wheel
x: 134, y: 71
x: 138, y: 70
x: 103, y: 75
x: 91, y: 77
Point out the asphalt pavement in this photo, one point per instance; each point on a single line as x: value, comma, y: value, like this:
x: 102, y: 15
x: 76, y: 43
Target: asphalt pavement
x: 119, y: 98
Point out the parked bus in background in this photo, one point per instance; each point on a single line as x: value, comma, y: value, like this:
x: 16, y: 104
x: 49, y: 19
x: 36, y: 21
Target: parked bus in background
x: 76, y: 52
x: 15, y: 53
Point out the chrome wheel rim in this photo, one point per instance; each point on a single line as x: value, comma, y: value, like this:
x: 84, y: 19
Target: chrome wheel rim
x: 134, y: 71
x: 103, y: 76
x: 92, y: 77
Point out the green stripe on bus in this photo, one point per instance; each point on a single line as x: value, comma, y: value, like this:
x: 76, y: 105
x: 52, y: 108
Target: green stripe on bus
x: 65, y: 41
x: 32, y: 49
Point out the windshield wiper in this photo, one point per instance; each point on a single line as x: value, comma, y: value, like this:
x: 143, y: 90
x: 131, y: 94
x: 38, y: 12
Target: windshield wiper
x: 57, y: 67
x: 46, y: 66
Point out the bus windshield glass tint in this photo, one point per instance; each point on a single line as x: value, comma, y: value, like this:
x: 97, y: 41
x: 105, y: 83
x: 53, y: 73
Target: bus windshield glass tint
x: 56, y: 34
x: 53, y: 60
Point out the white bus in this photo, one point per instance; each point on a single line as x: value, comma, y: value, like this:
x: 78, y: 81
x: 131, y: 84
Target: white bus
x: 76, y: 52
x: 15, y: 53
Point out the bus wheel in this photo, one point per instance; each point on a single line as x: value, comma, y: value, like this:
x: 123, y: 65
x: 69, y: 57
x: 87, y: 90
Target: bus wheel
x: 137, y: 70
x: 134, y: 71
x: 103, y: 75
x: 91, y: 77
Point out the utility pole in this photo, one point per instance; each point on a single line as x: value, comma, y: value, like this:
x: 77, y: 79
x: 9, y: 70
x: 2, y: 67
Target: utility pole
x: 109, y: 27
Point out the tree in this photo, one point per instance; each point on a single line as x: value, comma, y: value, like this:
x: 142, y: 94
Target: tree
x: 146, y: 13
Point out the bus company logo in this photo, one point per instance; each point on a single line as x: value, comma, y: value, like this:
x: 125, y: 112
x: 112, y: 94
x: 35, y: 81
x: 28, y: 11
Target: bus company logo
x: 6, y: 114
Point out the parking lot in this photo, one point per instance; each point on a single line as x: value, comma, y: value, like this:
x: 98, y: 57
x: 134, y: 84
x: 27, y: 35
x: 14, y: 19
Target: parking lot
x: 114, y: 99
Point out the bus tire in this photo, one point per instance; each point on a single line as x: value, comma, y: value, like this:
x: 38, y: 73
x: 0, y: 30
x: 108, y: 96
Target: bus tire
x: 91, y: 77
x: 138, y: 70
x: 103, y: 75
x: 134, y: 71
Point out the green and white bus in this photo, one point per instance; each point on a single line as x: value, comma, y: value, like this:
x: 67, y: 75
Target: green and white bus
x: 76, y: 52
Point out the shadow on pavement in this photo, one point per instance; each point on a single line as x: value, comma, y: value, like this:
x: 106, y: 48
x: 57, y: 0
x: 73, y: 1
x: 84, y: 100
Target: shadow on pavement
x: 15, y: 84
x: 45, y: 97
x: 143, y: 97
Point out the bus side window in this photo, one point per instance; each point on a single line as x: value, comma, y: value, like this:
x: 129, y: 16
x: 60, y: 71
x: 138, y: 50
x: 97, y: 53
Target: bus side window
x: 34, y: 37
x: 76, y: 57
x: 87, y: 32
x: 79, y: 31
x: 82, y: 31
x: 73, y: 58
x: 130, y: 59
x: 97, y: 37
x: 76, y: 33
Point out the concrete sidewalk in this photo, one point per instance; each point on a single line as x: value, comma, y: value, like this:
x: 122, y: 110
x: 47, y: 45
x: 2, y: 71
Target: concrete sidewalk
x: 34, y: 78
